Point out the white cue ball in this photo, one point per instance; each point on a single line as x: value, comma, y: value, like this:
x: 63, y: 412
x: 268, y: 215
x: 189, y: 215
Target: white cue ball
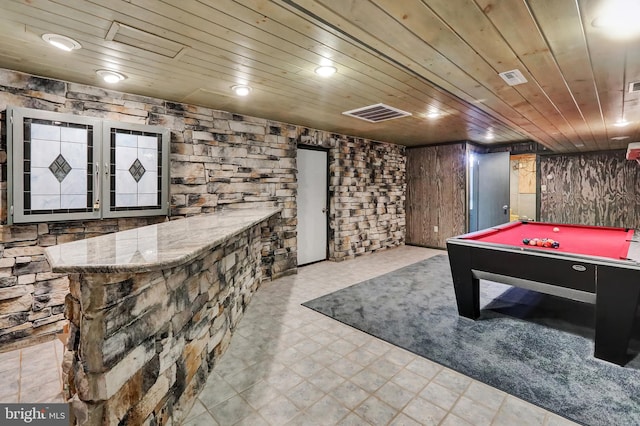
x: 556, y: 229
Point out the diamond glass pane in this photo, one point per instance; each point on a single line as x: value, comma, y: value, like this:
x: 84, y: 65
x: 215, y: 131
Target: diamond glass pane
x: 60, y: 168
x: 137, y: 170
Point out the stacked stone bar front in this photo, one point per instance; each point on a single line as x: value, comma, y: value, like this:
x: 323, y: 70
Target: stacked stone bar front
x: 148, y: 324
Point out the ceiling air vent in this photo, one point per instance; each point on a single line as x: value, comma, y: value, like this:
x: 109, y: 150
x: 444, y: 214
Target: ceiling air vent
x: 634, y: 87
x: 376, y: 113
x: 144, y: 40
x: 513, y: 77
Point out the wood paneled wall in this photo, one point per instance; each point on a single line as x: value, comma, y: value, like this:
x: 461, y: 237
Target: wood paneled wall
x: 600, y: 188
x: 597, y: 188
x: 436, y: 194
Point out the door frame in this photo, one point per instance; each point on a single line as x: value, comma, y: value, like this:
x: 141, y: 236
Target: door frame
x: 473, y: 185
x: 328, y: 200
x: 471, y: 189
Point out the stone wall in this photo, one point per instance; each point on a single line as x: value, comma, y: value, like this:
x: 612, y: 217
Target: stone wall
x: 367, y: 186
x: 367, y: 195
x: 31, y: 296
x: 141, y: 346
x: 218, y: 160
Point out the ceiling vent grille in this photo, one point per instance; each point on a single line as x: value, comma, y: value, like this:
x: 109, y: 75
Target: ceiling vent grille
x: 513, y: 77
x: 377, y: 113
x: 149, y: 42
x: 634, y: 87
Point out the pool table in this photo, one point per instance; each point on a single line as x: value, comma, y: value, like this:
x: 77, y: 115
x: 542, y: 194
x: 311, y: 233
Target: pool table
x: 593, y: 264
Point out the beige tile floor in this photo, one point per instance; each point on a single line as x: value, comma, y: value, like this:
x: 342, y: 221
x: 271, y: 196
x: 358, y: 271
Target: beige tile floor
x: 32, y: 374
x: 289, y: 365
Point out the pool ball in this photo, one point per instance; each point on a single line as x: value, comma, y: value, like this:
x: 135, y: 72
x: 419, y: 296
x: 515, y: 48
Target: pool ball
x: 556, y: 229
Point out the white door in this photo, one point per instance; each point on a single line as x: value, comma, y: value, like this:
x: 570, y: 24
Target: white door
x: 312, y: 205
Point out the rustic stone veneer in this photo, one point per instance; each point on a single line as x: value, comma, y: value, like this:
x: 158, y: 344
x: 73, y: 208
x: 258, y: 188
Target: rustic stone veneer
x: 141, y: 345
x: 366, y: 193
x: 218, y: 160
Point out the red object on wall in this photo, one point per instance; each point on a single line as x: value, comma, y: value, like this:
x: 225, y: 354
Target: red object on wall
x: 633, y: 151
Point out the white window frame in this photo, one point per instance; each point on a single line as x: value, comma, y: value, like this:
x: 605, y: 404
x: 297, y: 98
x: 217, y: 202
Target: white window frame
x: 101, y: 174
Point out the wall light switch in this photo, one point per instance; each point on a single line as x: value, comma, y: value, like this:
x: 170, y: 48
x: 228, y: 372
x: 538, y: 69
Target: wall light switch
x: 435, y: 229
x: 543, y: 188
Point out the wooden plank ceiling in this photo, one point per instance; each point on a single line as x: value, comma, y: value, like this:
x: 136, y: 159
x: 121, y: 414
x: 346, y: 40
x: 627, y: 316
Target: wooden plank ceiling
x: 419, y: 56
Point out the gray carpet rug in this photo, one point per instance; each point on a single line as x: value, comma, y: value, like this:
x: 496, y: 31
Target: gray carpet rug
x: 533, y: 346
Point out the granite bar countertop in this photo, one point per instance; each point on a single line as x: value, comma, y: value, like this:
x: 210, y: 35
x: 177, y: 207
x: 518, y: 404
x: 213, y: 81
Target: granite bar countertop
x: 154, y: 247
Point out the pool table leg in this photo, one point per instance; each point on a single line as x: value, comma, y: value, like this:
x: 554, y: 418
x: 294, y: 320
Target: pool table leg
x: 466, y: 286
x: 617, y: 296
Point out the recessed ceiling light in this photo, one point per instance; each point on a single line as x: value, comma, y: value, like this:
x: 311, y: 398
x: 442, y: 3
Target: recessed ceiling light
x: 579, y: 145
x: 620, y: 18
x: 61, y: 42
x: 489, y: 136
x: 621, y: 123
x: 241, y: 90
x: 111, y: 77
x: 325, y: 70
x: 619, y: 138
x: 433, y: 113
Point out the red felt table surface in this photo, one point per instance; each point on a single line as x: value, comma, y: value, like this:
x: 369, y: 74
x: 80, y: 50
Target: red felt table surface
x: 577, y: 239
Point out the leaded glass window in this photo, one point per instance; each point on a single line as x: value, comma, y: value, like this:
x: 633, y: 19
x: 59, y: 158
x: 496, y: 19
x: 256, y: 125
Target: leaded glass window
x: 138, y: 169
x: 60, y: 164
x: 51, y: 166
x: 57, y: 167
